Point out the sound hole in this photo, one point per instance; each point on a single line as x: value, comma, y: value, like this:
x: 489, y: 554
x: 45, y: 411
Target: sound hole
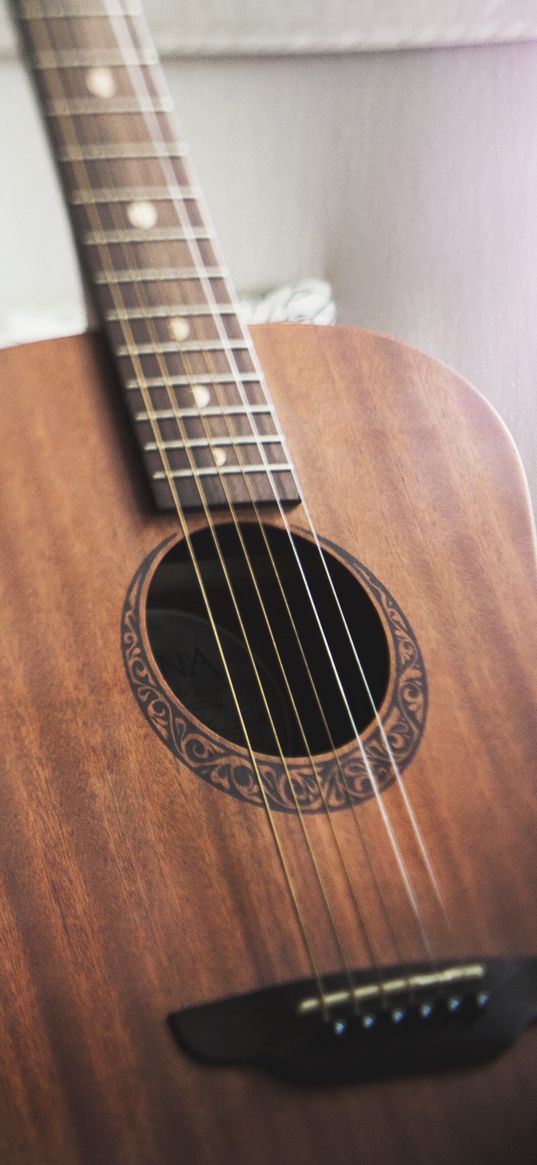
x: 288, y: 673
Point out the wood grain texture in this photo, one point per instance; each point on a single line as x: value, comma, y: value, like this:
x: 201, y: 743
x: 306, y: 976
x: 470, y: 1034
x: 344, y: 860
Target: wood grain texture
x: 128, y: 888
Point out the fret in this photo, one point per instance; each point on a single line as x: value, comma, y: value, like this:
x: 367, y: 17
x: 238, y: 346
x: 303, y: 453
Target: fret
x: 171, y: 310
x: 177, y: 331
x: 151, y: 235
x: 92, y: 58
x: 122, y: 153
x: 29, y: 11
x: 188, y: 381
x: 158, y: 274
x: 211, y: 407
x: 89, y: 107
x: 217, y: 443
x: 179, y: 346
x: 132, y: 194
x: 210, y: 411
x: 218, y: 362
x: 216, y: 470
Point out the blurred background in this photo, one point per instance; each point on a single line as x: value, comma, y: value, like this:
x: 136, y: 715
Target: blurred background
x: 388, y: 148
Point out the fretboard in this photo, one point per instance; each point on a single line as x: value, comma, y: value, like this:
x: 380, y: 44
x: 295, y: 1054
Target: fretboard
x: 194, y: 389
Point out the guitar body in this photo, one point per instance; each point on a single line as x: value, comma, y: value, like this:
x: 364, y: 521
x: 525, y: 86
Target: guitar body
x: 130, y: 888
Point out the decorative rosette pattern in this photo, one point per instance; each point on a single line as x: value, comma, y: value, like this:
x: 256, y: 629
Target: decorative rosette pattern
x: 335, y: 783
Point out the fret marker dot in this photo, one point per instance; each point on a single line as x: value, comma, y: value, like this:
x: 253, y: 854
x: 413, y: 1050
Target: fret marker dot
x: 179, y: 328
x: 201, y: 395
x: 142, y: 215
x: 220, y: 456
x: 100, y: 82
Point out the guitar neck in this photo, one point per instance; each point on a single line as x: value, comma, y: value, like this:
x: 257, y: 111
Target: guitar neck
x: 195, y: 392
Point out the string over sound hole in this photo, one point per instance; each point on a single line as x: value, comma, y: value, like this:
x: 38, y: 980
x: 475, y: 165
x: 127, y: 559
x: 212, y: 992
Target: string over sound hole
x: 290, y: 627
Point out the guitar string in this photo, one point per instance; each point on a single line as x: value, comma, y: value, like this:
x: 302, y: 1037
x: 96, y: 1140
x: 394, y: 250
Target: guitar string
x: 171, y: 402
x: 179, y: 210
x: 359, y: 913
x: 288, y: 879
x: 331, y: 915
x: 312, y: 856
x: 391, y: 759
x: 133, y: 57
x: 343, y: 955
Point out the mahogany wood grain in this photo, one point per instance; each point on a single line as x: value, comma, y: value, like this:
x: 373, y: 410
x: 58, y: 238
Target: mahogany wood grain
x: 129, y: 888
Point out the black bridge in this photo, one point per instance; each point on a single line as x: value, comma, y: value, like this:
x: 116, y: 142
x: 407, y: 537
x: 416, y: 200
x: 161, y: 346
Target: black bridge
x: 365, y: 1025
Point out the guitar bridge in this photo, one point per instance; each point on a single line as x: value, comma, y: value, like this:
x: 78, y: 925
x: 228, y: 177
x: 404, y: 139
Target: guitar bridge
x: 394, y: 995
x: 361, y: 1027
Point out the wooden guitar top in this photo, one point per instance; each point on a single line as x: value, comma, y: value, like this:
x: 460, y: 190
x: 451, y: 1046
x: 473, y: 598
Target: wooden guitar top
x: 130, y: 888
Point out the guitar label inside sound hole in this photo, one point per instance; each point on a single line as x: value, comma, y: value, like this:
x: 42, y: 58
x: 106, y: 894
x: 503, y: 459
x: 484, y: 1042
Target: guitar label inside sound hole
x: 279, y: 664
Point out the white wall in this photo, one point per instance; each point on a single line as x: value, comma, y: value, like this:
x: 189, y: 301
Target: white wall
x: 188, y: 27
x: 408, y: 179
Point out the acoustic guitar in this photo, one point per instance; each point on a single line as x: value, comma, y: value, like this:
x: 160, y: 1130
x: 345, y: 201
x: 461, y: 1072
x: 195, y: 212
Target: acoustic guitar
x: 268, y: 874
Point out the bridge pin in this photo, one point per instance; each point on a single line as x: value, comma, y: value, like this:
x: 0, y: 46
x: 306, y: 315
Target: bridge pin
x: 454, y: 1003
